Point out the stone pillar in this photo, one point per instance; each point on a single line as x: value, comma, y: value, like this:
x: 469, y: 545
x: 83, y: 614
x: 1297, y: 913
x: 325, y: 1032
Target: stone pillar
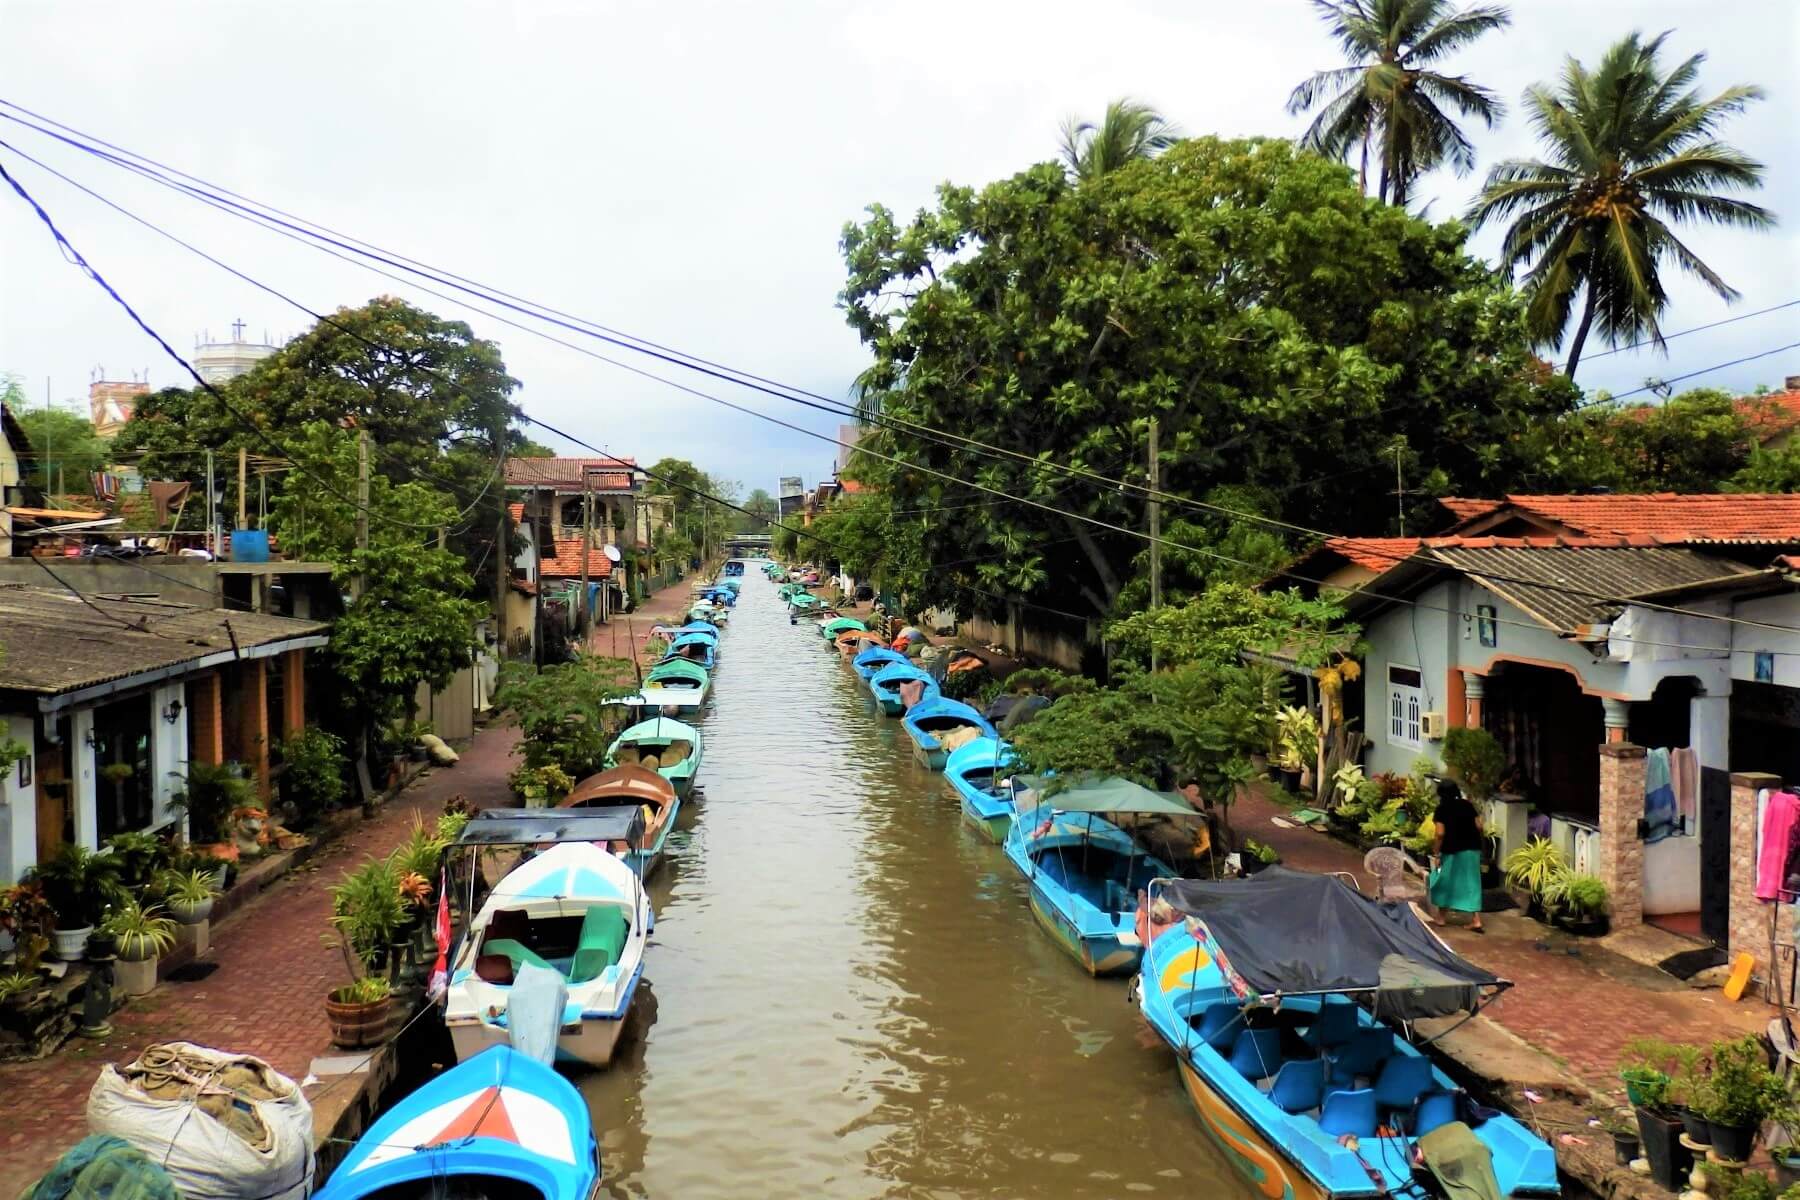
x: 206, y: 720
x: 255, y: 718
x: 1474, y: 688
x: 1749, y: 920
x: 293, y: 692
x: 1621, y: 849
x: 1617, y: 716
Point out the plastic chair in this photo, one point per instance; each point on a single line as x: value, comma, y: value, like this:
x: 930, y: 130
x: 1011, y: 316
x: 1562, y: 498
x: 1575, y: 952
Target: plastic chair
x: 1337, y: 1024
x: 1257, y: 1053
x: 1299, y: 1086
x: 1403, y: 1079
x: 1389, y: 865
x: 1219, y: 1026
x: 1433, y: 1109
x: 1361, y: 1056
x: 1348, y: 1113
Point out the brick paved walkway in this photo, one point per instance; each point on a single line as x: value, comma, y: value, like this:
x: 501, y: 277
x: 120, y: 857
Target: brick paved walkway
x: 266, y: 996
x: 1580, y: 1010
x: 621, y: 631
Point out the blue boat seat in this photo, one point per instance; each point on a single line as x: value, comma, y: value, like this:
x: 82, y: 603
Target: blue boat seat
x: 1403, y: 1079
x: 1219, y: 1025
x: 1299, y: 1086
x: 1257, y: 1053
x: 1348, y: 1113
x: 1361, y: 1057
x: 1336, y: 1026
x: 1433, y: 1108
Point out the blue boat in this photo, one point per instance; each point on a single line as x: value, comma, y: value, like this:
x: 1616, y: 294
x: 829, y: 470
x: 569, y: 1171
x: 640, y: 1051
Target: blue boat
x: 695, y: 648
x: 734, y: 568
x: 885, y: 683
x: 1085, y: 872
x: 496, y: 1120
x: 933, y: 719
x: 871, y: 659
x: 975, y: 771
x: 1273, y: 993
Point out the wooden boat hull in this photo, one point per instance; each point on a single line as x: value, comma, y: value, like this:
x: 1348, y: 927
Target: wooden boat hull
x: 1100, y: 956
x: 1263, y: 1166
x: 591, y: 1044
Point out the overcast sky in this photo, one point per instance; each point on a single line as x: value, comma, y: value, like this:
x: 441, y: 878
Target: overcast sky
x: 682, y: 171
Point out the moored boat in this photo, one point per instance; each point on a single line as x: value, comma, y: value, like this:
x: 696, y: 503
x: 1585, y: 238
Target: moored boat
x: 871, y: 659
x: 664, y: 745
x: 575, y: 909
x: 886, y: 682
x: 674, y: 685
x: 696, y: 648
x: 626, y: 787
x: 938, y: 724
x: 978, y: 772
x: 830, y: 628
x: 1285, y: 980
x: 1085, y: 872
x: 498, y: 1124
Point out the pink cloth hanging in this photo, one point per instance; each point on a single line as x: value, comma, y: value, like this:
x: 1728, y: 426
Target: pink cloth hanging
x: 1777, y: 833
x: 1684, y: 771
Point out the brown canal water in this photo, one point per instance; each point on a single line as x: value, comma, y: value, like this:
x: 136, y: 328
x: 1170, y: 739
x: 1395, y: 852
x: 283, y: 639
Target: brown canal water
x: 847, y: 994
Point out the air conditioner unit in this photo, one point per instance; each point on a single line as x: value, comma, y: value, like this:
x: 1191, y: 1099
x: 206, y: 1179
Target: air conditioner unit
x: 1433, y: 724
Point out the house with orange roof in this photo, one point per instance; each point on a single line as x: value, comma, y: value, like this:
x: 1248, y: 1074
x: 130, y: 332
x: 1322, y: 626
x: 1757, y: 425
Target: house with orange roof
x: 1598, y: 638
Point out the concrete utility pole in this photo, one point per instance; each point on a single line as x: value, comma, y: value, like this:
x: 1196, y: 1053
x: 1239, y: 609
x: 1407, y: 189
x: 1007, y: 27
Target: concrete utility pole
x: 1155, y: 530
x: 587, y: 547
x: 243, y: 488
x: 502, y: 564
x: 362, y: 502
x: 212, y: 544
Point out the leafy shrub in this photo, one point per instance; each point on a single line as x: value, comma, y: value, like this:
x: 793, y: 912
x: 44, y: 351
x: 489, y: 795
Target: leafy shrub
x: 369, y: 912
x: 312, y: 781
x: 1475, y: 760
x: 209, y: 795
x: 564, y: 711
x: 142, y: 858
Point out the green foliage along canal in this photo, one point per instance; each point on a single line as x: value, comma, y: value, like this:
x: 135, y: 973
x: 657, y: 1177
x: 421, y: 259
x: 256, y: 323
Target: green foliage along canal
x: 850, y: 995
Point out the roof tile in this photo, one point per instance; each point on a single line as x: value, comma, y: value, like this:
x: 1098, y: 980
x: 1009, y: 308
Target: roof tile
x: 1374, y: 554
x: 567, y: 474
x: 566, y: 564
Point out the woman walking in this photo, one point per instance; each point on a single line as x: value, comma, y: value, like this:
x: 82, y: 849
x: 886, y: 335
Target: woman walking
x: 1455, y: 883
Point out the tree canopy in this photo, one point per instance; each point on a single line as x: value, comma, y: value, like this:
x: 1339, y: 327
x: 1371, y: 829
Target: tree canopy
x: 1293, y: 338
x: 63, y: 444
x: 1127, y: 132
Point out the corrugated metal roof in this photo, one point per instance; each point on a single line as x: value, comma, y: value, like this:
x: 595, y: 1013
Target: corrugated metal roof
x: 1582, y: 585
x: 568, y: 474
x: 52, y: 641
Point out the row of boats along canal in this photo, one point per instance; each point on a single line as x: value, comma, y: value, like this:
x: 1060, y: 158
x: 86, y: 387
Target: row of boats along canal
x: 1278, y: 994
x: 1287, y: 999
x: 551, y: 959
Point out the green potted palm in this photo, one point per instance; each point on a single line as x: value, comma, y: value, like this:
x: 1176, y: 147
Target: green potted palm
x: 142, y: 936
x: 1648, y: 1068
x: 370, y: 915
x: 189, y: 895
x: 1531, y: 870
x: 1741, y: 1093
x: 79, y: 884
x: 1577, y: 903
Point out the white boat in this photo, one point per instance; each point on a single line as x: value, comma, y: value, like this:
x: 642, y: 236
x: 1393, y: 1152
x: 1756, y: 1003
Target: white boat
x: 575, y: 908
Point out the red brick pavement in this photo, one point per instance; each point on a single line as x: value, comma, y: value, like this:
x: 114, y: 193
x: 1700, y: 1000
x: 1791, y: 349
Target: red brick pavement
x: 264, y: 998
x: 622, y: 631
x: 1581, y: 1010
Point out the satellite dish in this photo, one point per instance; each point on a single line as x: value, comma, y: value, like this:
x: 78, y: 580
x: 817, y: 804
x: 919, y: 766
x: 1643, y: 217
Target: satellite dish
x: 611, y: 552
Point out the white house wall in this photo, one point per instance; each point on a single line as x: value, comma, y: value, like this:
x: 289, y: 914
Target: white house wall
x: 168, y: 749
x: 1748, y: 640
x: 18, y: 808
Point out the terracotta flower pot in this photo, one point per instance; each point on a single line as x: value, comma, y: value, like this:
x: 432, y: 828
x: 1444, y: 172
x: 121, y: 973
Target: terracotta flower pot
x: 356, y: 1025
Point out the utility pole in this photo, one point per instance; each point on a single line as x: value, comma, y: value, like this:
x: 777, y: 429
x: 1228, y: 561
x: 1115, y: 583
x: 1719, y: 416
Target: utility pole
x: 502, y: 562
x: 212, y: 546
x: 47, y: 438
x: 362, y: 502
x: 587, y: 548
x: 1155, y: 531
x: 1399, y: 489
x: 243, y: 488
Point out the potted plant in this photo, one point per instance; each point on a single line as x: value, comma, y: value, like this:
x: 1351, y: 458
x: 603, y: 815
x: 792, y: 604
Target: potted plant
x: 1297, y: 737
x: 20, y: 989
x: 1255, y: 856
x: 357, y: 1012
x: 1473, y: 758
x: 210, y: 793
x: 1626, y: 1143
x: 142, y: 935
x: 1647, y: 1070
x: 28, y: 918
x: 142, y: 857
x: 1531, y: 869
x: 1578, y: 902
x: 189, y: 894
x: 1741, y: 1093
x: 78, y: 883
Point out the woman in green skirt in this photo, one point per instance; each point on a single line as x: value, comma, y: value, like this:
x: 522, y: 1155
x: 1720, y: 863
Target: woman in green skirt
x: 1456, y: 857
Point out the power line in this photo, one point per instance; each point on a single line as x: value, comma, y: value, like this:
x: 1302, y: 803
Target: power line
x: 1669, y: 337
x: 1660, y: 383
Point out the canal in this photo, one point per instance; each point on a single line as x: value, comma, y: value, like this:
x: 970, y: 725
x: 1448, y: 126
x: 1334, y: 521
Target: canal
x: 847, y: 993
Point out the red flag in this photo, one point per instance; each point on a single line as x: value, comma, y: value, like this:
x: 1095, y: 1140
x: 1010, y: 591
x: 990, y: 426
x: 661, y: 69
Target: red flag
x: 440, y: 970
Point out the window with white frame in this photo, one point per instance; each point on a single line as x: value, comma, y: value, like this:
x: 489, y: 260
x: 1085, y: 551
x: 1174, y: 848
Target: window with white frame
x: 1406, y: 702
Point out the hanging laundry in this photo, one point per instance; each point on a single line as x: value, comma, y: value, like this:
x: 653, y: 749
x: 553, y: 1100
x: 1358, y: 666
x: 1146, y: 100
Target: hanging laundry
x: 1659, y: 797
x: 1684, y: 769
x: 1776, y: 845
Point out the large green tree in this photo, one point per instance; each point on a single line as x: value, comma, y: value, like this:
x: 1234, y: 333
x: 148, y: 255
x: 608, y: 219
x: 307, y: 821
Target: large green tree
x: 1128, y: 131
x: 1290, y: 335
x: 1392, y: 98
x: 702, y: 504
x: 64, y: 449
x: 1629, y: 150
x: 406, y: 622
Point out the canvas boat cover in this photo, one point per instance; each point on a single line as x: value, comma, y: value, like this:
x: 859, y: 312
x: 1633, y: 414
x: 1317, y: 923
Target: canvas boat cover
x: 1105, y: 795
x: 677, y: 668
x: 1012, y: 710
x: 1286, y: 932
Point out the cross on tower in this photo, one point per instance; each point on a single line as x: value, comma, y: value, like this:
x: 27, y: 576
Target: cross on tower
x: 237, y: 330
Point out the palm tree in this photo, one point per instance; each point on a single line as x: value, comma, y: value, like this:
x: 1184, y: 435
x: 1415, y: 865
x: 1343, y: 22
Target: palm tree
x: 1629, y: 150
x: 1389, y: 95
x: 1129, y: 131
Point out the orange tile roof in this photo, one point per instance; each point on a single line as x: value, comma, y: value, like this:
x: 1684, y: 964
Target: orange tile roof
x: 1376, y: 554
x: 1769, y: 417
x: 1463, y: 509
x: 567, y: 562
x: 1750, y: 517
x: 567, y: 474
x: 517, y: 513
x: 852, y: 486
